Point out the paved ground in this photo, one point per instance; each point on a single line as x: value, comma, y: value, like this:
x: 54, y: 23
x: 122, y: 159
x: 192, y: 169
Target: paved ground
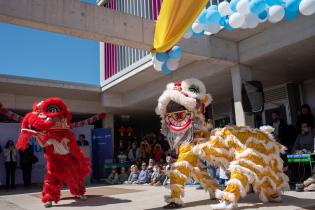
x: 143, y: 197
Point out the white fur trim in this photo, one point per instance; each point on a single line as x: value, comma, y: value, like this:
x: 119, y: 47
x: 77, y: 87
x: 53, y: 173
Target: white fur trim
x: 176, y: 96
x: 220, y: 194
x: 268, y: 129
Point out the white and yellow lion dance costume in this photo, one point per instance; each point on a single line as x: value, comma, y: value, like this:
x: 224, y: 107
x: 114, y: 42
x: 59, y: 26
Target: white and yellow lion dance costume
x: 251, y: 156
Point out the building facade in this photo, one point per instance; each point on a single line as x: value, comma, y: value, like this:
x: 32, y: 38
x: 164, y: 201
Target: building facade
x: 224, y: 61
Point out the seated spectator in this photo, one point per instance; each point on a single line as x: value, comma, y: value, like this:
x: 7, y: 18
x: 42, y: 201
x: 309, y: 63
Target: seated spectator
x: 134, y: 153
x: 165, y: 178
x: 143, y: 175
x: 158, y: 177
x: 150, y: 168
x: 169, y: 162
x: 158, y: 152
x: 122, y: 157
x: 123, y: 176
x: 134, y: 174
x: 145, y: 151
x: 305, y: 141
x: 309, y: 184
x: 112, y: 178
x: 82, y: 141
x: 305, y: 116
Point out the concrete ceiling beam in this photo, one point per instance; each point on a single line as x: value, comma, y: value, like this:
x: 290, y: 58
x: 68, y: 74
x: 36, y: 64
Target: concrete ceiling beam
x: 275, y: 37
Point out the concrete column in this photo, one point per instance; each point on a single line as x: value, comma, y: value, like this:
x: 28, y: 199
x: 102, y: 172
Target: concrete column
x: 239, y: 75
x: 108, y: 122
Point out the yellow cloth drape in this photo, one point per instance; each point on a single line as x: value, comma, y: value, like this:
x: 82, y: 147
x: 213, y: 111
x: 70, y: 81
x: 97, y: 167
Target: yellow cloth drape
x: 176, y: 16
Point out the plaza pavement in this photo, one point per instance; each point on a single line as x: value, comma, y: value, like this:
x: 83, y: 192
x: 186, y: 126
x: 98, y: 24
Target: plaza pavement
x: 133, y: 197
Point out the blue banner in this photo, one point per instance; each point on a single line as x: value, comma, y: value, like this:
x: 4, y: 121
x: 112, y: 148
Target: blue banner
x: 102, y: 150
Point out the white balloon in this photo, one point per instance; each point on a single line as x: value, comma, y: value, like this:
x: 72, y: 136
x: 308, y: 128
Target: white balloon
x: 307, y: 7
x: 188, y: 34
x: 243, y: 7
x: 251, y: 21
x: 197, y: 27
x: 275, y: 13
x: 157, y: 65
x: 224, y: 8
x: 172, y: 64
x: 236, y: 20
x: 212, y: 28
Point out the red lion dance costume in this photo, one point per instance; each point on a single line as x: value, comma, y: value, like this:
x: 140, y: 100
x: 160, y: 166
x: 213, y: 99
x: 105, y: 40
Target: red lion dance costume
x: 49, y: 123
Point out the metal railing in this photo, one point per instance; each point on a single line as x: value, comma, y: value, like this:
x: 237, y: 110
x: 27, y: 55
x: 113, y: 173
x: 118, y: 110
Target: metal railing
x: 126, y: 57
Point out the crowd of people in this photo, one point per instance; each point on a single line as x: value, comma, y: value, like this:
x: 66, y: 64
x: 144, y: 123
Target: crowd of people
x: 151, y: 173
x: 299, y: 139
x: 135, y: 152
x: 148, y: 160
x: 27, y: 159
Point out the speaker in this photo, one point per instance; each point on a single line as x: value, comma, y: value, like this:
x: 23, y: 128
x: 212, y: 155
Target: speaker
x: 253, y: 97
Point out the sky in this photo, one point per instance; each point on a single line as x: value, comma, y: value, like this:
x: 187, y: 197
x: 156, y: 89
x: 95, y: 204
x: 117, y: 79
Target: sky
x: 40, y: 54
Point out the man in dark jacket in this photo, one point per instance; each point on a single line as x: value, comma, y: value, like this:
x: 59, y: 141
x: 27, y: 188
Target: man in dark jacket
x: 279, y: 126
x: 27, y: 158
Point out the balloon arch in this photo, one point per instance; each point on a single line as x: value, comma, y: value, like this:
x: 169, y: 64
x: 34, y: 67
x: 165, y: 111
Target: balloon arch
x: 227, y: 15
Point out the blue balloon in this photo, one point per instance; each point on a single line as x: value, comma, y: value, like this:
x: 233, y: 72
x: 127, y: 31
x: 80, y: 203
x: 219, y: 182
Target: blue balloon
x: 233, y: 4
x: 165, y: 69
x: 199, y: 34
x: 288, y: 15
x: 263, y: 15
x: 222, y: 21
x: 202, y: 17
x: 257, y: 6
x: 175, y: 53
x: 162, y: 57
x: 292, y: 5
x: 213, y: 16
x: 274, y: 2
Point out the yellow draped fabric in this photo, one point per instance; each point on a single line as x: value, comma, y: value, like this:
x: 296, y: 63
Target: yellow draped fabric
x: 176, y: 16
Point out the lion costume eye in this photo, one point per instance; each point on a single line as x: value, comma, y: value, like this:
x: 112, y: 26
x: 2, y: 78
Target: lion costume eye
x: 53, y: 109
x: 194, y: 89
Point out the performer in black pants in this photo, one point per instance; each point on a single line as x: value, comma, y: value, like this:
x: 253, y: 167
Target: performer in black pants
x: 10, y: 163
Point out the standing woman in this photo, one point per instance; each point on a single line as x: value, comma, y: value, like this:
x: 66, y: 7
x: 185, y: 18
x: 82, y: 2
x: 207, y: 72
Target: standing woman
x: 10, y: 163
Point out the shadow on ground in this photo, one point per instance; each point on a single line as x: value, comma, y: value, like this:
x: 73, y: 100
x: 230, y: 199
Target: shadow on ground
x: 92, y: 200
x: 252, y: 202
x: 20, y: 190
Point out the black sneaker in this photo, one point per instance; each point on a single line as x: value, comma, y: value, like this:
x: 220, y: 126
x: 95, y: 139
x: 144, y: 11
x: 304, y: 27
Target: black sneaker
x: 172, y: 205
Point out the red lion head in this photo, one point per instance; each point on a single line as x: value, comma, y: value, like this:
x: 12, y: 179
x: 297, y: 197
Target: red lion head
x: 49, y: 114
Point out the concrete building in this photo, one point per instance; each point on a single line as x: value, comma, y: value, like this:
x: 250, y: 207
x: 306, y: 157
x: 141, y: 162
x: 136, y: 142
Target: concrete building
x: 19, y: 93
x: 279, y: 55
